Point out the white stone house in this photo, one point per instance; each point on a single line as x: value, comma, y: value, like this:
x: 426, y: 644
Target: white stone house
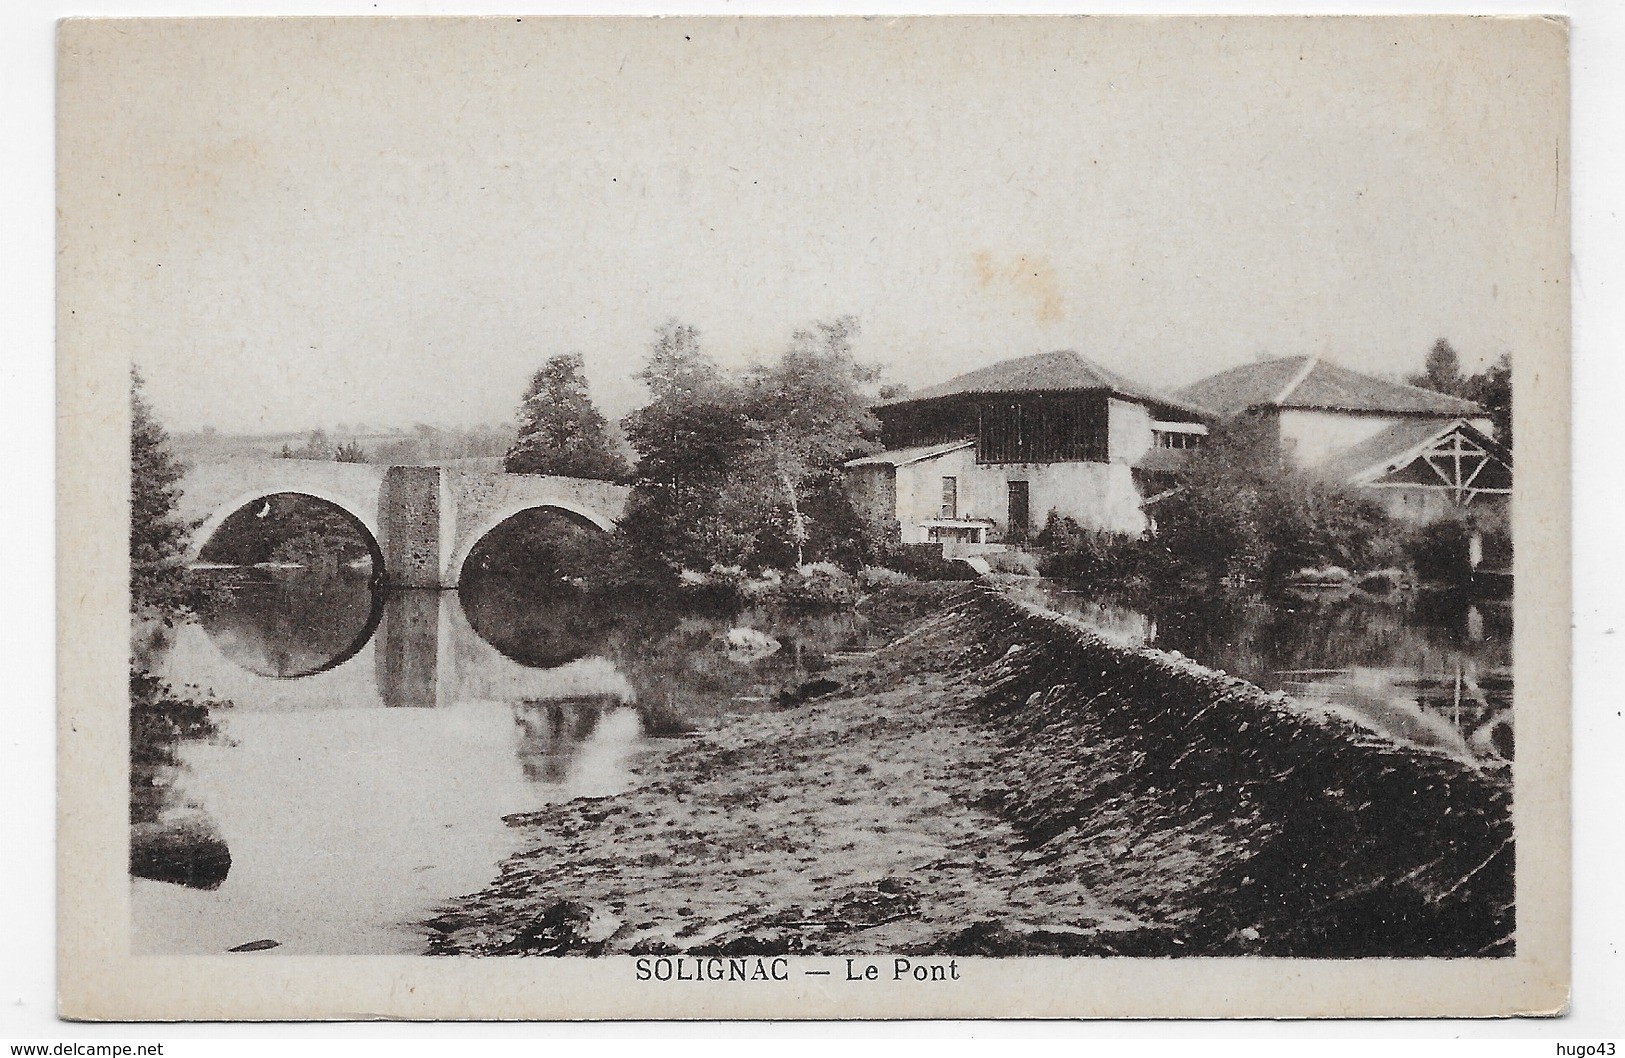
x: 1318, y: 410
x: 987, y: 456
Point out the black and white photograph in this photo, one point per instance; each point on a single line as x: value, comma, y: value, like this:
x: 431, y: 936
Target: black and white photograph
x: 814, y: 517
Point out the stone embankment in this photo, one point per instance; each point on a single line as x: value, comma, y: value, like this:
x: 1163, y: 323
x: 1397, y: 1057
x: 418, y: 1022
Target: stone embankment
x: 1001, y: 780
x: 1233, y: 814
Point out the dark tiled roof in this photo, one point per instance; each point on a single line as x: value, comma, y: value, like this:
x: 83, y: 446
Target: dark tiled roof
x: 1399, y: 444
x: 1234, y: 391
x: 1060, y: 371
x: 1309, y: 382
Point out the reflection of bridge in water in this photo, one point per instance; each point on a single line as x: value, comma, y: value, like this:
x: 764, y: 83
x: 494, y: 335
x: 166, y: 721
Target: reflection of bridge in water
x: 423, y: 653
x: 334, y: 687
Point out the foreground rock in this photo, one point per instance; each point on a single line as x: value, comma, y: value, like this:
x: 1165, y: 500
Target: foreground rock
x: 1001, y: 781
x: 183, y: 847
x: 568, y: 927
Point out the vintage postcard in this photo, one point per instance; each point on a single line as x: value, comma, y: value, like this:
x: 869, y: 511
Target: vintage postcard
x: 998, y: 517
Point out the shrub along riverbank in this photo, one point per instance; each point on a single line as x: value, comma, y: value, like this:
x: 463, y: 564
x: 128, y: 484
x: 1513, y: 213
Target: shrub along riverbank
x: 170, y: 841
x: 1000, y: 780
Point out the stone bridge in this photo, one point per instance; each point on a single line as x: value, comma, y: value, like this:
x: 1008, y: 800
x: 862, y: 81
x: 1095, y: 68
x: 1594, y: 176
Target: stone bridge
x: 420, y: 522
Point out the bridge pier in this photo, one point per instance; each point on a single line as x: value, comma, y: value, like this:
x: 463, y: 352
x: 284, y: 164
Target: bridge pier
x: 409, y: 516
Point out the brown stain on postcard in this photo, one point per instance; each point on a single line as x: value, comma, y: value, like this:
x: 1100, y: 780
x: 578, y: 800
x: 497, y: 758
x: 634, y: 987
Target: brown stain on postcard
x: 1030, y: 278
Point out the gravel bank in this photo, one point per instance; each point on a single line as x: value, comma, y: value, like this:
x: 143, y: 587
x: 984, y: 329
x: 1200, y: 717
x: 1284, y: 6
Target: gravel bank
x: 998, y: 780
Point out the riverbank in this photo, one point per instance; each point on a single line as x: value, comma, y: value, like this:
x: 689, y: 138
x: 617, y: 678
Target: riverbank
x: 999, y: 780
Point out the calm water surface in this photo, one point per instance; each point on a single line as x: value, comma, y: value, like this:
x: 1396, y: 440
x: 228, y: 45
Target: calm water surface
x: 377, y: 740
x: 1427, y: 670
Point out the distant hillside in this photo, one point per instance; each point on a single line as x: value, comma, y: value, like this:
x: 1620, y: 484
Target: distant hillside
x: 422, y: 444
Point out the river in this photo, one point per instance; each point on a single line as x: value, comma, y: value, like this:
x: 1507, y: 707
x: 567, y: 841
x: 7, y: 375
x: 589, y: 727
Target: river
x: 377, y: 740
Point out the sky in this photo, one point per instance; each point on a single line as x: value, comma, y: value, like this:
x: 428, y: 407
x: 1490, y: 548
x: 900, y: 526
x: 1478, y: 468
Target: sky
x: 323, y: 222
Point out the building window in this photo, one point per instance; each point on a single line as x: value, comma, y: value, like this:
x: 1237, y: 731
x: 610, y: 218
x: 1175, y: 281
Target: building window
x: 1165, y: 439
x: 950, y: 498
x: 1177, y: 435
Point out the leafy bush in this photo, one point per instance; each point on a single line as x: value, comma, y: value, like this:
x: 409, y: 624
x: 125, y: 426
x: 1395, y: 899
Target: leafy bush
x: 350, y: 452
x: 924, y: 562
x: 1073, y: 552
x: 814, y: 586
x: 881, y: 577
x: 1021, y: 563
x: 286, y: 527
x: 818, y: 585
x: 764, y: 585
x: 1312, y: 523
x: 734, y: 583
x: 1241, y: 511
x: 161, y: 718
x: 545, y: 544
x: 1440, y: 552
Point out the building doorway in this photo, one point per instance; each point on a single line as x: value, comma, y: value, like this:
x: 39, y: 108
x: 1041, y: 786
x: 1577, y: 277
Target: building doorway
x: 1019, y: 524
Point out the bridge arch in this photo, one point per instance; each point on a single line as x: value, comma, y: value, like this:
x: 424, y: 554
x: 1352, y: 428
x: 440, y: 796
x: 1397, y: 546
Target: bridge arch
x: 364, y: 522
x: 488, y: 524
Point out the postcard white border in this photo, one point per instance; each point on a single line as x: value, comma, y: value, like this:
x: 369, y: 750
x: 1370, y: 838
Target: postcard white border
x: 103, y: 980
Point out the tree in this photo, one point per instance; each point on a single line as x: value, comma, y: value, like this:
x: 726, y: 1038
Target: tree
x: 747, y: 470
x: 1492, y: 389
x: 809, y: 414
x: 813, y: 398
x: 317, y: 447
x: 694, y: 424
x: 1441, y: 370
x: 689, y: 437
x: 350, y: 452
x: 561, y: 431
x: 159, y: 536
x: 678, y: 369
